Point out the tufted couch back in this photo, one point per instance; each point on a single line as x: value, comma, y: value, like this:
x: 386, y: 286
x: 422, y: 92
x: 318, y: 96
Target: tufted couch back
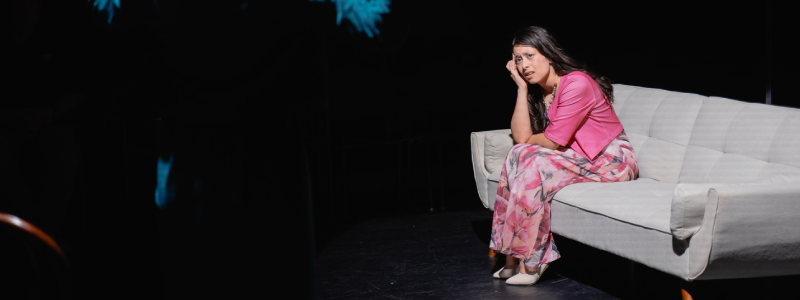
x: 688, y: 138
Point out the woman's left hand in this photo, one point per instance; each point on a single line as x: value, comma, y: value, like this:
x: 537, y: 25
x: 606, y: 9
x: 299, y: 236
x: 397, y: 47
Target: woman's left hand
x: 511, y: 66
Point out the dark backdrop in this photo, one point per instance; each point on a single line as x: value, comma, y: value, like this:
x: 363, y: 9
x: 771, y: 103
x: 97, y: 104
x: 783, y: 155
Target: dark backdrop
x: 287, y: 129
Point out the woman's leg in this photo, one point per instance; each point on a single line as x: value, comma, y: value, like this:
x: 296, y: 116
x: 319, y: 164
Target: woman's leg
x: 521, y: 224
x: 530, y: 178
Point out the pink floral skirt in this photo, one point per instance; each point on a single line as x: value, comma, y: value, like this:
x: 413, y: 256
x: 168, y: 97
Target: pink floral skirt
x: 530, y: 178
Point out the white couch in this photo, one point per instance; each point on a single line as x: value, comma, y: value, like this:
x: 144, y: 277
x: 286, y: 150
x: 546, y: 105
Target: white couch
x: 718, y: 194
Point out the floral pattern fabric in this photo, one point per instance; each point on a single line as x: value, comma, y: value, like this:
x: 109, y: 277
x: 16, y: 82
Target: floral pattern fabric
x: 530, y: 178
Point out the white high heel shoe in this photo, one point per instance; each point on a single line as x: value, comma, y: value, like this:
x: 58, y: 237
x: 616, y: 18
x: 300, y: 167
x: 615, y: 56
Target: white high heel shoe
x: 527, y: 279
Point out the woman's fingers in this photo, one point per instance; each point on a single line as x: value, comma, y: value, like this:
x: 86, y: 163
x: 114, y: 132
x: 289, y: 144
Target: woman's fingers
x: 510, y: 68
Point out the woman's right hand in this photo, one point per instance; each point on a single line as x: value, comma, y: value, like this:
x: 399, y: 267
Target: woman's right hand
x: 511, y: 66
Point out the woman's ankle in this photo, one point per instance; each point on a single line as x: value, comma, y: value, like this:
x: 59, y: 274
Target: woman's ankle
x: 527, y: 270
x: 511, y: 262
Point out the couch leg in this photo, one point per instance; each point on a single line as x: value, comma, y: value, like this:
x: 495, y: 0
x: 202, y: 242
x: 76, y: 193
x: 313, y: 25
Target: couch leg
x: 685, y: 295
x: 686, y: 290
x: 492, y: 253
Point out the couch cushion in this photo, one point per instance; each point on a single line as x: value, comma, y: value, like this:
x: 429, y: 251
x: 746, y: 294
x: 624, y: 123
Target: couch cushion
x: 737, y: 142
x: 496, y: 145
x: 659, y: 123
x: 643, y: 202
x: 786, y: 141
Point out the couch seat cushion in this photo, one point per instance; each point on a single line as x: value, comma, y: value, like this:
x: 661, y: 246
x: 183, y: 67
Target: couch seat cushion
x: 644, y: 202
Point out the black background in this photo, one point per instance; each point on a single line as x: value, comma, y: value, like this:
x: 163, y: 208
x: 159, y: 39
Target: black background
x: 287, y: 129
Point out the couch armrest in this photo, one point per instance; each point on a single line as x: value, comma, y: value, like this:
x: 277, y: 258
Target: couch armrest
x: 479, y: 145
x: 689, y: 201
x: 756, y: 222
x: 478, y: 169
x: 496, y: 145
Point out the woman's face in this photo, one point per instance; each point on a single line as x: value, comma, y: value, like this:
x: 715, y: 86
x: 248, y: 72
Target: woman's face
x: 532, y: 65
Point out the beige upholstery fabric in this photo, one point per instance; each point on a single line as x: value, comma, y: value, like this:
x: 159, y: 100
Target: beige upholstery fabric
x: 479, y: 168
x: 496, y: 146
x: 500, y: 142
x: 688, y: 207
x: 690, y: 199
x: 644, y: 202
x: 662, y: 121
x: 494, y: 180
x: 755, y: 231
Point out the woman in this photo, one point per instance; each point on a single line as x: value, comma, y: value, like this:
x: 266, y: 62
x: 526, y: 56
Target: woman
x: 566, y: 132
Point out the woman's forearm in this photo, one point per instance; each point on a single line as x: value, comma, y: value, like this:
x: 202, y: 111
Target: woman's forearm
x: 520, y: 121
x: 541, y: 140
x: 521, y: 124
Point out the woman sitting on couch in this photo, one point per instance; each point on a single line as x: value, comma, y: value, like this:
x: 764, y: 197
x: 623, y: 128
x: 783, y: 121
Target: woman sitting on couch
x: 566, y: 132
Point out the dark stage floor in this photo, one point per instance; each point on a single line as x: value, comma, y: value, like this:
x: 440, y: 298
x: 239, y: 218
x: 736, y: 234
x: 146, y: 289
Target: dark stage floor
x: 445, y: 256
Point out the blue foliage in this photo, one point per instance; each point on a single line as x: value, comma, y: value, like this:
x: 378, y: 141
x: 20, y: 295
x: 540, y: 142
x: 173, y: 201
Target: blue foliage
x: 107, y: 5
x: 363, y: 14
x: 164, y: 194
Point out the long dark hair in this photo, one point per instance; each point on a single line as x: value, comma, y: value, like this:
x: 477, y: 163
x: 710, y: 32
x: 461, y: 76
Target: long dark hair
x: 563, y: 64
